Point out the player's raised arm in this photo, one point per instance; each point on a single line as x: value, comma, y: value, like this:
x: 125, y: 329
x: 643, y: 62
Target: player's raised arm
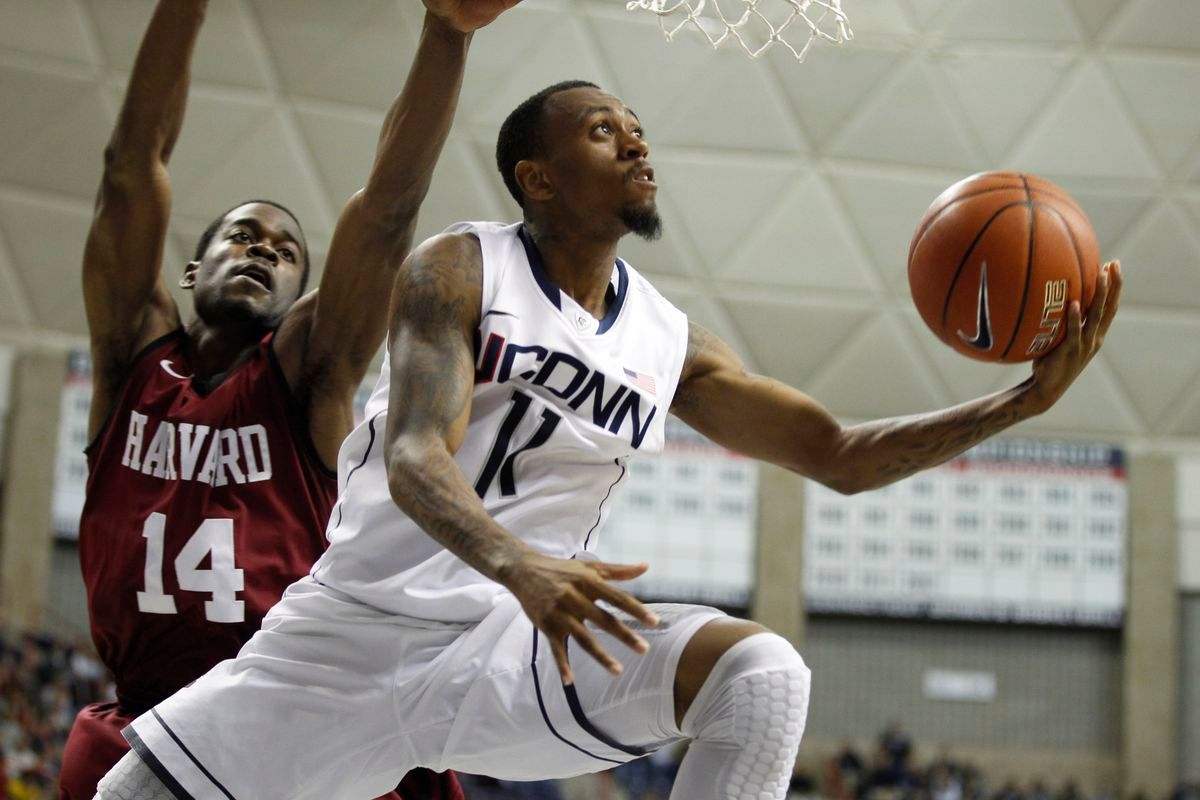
x: 769, y: 420
x: 126, y: 299
x: 328, y: 344
x: 435, y: 312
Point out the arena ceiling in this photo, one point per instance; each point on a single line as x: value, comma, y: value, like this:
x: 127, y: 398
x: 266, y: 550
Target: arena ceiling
x: 789, y: 192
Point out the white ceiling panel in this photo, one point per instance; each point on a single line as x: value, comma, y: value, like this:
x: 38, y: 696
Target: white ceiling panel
x: 1016, y: 20
x: 789, y: 192
x: 1086, y: 130
x: 55, y: 28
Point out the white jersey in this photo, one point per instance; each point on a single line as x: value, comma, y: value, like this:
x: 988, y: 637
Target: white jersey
x: 561, y: 401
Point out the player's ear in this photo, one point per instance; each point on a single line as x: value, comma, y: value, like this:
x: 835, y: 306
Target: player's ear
x: 189, y: 275
x: 534, y: 182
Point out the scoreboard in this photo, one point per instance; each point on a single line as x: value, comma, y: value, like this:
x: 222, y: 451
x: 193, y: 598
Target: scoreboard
x: 1014, y: 530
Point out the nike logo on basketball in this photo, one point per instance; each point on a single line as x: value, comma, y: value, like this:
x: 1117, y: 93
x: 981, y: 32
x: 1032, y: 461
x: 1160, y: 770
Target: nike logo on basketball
x: 166, y: 365
x: 982, y: 340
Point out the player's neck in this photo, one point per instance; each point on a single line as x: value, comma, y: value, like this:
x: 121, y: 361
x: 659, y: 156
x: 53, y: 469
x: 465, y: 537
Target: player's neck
x: 215, y: 349
x: 580, y: 264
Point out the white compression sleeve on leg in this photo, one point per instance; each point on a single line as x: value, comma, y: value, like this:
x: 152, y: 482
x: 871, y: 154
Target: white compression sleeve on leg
x: 131, y: 779
x: 746, y: 723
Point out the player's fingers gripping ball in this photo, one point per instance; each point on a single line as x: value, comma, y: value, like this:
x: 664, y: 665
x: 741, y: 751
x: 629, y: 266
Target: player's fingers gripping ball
x: 996, y: 262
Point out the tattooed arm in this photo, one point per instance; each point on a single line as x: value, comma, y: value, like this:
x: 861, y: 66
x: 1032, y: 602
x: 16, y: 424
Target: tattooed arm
x: 435, y: 312
x: 769, y: 420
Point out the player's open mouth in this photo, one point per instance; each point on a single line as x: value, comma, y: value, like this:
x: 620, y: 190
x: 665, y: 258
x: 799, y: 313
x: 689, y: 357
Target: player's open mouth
x: 256, y: 272
x: 643, y: 175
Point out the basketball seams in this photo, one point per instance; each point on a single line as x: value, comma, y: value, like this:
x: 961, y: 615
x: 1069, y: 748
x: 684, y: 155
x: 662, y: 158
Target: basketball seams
x: 923, y: 229
x: 1028, y: 269
x: 1074, y: 244
x: 967, y: 257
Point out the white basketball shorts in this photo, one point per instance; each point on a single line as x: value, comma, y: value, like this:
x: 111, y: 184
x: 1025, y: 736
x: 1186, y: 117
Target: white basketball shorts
x: 334, y: 699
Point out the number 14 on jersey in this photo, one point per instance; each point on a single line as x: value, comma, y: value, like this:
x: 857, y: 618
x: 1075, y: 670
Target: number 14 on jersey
x: 223, y: 580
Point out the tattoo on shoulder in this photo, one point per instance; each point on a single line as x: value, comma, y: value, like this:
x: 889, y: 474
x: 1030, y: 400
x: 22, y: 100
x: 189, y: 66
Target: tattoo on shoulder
x: 438, y: 284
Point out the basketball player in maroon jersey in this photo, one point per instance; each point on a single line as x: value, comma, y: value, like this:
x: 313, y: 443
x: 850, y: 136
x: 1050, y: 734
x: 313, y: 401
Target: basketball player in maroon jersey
x: 214, y: 445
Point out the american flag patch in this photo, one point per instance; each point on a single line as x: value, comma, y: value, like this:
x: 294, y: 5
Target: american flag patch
x: 641, y: 380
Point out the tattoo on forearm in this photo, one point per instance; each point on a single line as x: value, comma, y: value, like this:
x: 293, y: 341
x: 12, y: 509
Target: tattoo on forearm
x: 912, y: 444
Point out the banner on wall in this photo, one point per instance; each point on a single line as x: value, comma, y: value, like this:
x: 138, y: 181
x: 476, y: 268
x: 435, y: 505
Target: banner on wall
x: 1013, y: 531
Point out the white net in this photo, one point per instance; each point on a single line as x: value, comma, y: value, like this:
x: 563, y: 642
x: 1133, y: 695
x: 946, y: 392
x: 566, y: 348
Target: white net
x: 756, y: 25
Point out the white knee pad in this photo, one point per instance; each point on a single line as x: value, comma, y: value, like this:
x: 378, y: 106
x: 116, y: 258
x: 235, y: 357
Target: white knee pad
x: 131, y: 779
x: 746, y: 723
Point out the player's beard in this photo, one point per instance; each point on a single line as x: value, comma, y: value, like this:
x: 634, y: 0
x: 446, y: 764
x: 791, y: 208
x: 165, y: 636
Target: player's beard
x: 643, y: 221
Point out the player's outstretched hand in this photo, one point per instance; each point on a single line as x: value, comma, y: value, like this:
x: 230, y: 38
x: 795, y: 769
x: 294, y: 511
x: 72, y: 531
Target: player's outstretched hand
x: 559, y: 595
x: 1057, y: 370
x: 466, y: 16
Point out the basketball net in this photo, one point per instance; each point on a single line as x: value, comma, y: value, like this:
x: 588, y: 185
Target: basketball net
x: 806, y: 22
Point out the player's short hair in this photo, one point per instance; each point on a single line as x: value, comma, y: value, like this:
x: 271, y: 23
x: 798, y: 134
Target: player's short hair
x: 211, y: 231
x: 521, y: 134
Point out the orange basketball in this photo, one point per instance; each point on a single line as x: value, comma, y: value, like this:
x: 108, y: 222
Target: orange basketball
x: 996, y: 262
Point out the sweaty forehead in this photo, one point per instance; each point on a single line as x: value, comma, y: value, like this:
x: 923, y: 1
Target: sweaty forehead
x: 572, y: 104
x: 268, y: 217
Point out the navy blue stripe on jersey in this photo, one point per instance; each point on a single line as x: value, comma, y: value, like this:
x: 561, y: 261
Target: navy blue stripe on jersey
x: 549, y: 288
x: 586, y: 724
x: 537, y: 687
x: 150, y: 760
x: 614, y: 307
x: 600, y: 509
x: 366, y: 455
x: 183, y: 748
x: 554, y: 295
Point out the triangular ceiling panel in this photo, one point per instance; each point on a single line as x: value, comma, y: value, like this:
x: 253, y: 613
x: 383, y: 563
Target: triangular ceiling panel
x: 266, y: 163
x: 1186, y: 422
x: 1013, y: 20
x: 217, y: 125
x: 68, y: 156
x: 805, y: 241
x: 327, y: 50
x: 828, y: 87
x: 225, y: 52
x: 921, y: 127
x: 750, y: 188
x: 929, y: 13
x: 791, y: 341
x: 1160, y: 260
x: 1167, y: 24
x: 1095, y: 14
x: 1161, y: 92
x: 707, y: 313
x: 51, y: 29
x: 1094, y: 404
x: 850, y: 382
x: 511, y: 70
x: 31, y: 101
x: 633, y: 48
x: 874, y: 19
x: 457, y: 193
x: 1086, y: 130
x: 1155, y: 359
x: 1001, y: 91
x: 343, y: 145
x: 14, y: 310
x: 51, y: 235
x: 885, y: 209
x: 730, y: 103
x: 1111, y: 213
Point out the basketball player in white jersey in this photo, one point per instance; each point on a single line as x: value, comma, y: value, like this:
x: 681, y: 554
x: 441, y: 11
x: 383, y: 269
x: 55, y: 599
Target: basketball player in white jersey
x: 458, y: 619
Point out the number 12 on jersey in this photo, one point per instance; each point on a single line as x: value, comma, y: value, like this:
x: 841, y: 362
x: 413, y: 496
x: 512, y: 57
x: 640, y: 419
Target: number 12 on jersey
x: 223, y: 580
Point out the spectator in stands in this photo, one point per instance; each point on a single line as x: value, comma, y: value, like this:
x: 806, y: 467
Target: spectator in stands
x: 897, y: 744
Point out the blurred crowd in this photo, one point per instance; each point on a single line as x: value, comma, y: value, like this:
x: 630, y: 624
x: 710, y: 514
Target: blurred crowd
x: 43, y: 684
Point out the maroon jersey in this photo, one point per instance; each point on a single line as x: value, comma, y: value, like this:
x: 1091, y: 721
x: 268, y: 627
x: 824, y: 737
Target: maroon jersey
x: 204, y: 502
